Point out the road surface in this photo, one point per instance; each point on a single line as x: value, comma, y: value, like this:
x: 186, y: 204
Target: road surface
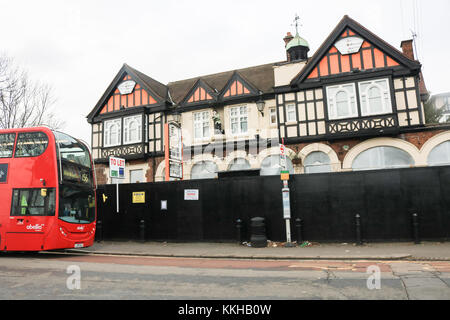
x: 45, y: 276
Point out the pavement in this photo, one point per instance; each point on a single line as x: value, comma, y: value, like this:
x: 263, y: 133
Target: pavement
x: 428, y: 251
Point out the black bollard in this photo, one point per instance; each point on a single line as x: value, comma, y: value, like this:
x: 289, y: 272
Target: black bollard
x: 415, y: 217
x: 239, y: 230
x: 142, y: 230
x: 99, y: 231
x: 358, y: 229
x: 298, y: 225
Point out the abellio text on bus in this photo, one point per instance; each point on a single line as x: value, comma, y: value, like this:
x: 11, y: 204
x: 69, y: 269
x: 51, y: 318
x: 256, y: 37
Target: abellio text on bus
x: 47, y: 186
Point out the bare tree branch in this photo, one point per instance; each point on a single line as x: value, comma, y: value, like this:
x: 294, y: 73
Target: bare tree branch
x: 24, y: 103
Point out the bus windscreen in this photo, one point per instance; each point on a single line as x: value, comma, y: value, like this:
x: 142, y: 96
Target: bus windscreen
x: 72, y: 150
x: 76, y: 205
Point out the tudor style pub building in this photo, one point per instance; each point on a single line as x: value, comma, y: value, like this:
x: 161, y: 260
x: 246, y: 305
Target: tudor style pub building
x: 355, y: 104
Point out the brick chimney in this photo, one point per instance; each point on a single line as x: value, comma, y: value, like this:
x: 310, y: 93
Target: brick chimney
x: 407, y: 48
x: 288, y: 38
x: 408, y: 51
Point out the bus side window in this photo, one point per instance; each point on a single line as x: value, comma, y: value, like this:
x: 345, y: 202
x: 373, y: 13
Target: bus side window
x: 32, y: 202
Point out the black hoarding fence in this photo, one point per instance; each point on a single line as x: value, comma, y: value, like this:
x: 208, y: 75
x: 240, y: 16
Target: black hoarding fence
x: 384, y: 205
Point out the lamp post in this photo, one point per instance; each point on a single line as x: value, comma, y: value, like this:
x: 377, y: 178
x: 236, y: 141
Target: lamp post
x: 177, y: 116
x: 260, y: 104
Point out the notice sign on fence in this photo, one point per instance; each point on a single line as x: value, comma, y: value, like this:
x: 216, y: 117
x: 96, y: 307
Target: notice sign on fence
x: 191, y: 194
x: 139, y: 197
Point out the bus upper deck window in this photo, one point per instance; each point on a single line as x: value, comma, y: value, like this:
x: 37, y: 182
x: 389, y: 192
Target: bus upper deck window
x: 31, y: 144
x: 7, y: 144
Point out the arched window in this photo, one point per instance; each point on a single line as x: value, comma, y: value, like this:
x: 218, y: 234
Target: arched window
x: 342, y: 101
x: 317, y: 162
x: 440, y: 155
x: 382, y: 158
x: 270, y: 166
x: 375, y: 103
x: 239, y: 164
x: 375, y: 97
x: 132, y: 129
x: 204, y: 170
x: 112, y: 132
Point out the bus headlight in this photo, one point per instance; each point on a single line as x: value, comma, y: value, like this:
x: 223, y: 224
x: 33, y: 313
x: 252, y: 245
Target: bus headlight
x: 63, y: 231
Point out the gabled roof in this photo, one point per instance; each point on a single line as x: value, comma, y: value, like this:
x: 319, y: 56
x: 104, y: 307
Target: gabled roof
x: 237, y: 85
x: 200, y: 92
x: 155, y: 89
x: 260, y: 77
x: 343, y: 25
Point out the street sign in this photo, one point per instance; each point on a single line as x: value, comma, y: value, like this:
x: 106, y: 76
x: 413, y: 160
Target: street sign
x: 286, y: 204
x: 283, y: 157
x: 284, y: 175
x: 117, y: 168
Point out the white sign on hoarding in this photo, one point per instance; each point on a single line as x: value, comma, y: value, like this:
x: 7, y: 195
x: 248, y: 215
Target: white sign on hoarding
x: 191, y: 194
x: 117, y: 168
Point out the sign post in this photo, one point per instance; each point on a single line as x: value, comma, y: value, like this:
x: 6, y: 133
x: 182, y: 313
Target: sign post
x: 285, y: 195
x: 117, y: 171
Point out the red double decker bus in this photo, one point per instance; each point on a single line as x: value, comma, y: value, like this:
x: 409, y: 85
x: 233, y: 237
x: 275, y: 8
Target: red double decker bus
x: 47, y: 191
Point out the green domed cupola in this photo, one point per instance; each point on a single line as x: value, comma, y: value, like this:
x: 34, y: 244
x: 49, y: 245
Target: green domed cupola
x: 297, y: 48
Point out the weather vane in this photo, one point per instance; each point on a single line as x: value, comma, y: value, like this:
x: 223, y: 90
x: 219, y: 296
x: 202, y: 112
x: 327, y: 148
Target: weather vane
x: 296, y: 22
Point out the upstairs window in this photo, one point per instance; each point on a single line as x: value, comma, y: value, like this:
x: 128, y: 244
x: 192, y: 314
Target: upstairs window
x: 375, y: 97
x: 132, y: 129
x: 113, y: 129
x: 342, y: 101
x: 239, y: 120
x: 273, y: 115
x: 201, y: 125
x: 290, y: 113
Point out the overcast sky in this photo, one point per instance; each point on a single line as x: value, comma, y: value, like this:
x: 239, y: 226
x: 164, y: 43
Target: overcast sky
x: 79, y: 46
